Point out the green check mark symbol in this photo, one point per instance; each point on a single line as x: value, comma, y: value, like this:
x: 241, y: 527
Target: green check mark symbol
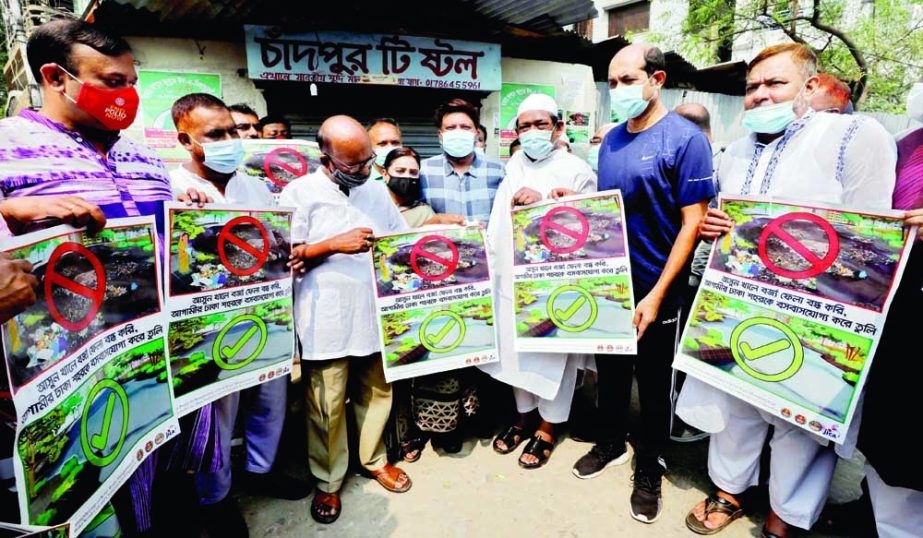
x: 101, y: 439
x: 230, y: 352
x: 564, y: 315
x: 752, y: 354
x: 434, y: 339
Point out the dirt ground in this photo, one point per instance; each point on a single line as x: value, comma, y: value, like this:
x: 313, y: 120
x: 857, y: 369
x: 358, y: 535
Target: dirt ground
x: 480, y: 493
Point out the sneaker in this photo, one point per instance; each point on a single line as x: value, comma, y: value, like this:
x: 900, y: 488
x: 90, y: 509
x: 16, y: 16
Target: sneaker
x: 594, y: 462
x: 276, y: 486
x: 646, y: 501
x: 684, y: 433
x: 224, y: 520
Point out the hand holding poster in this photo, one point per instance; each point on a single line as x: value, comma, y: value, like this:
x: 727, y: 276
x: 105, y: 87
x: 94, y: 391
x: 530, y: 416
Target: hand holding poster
x: 572, y: 278
x: 229, y: 298
x: 791, y: 304
x: 435, y: 301
x: 87, y: 368
x: 278, y: 162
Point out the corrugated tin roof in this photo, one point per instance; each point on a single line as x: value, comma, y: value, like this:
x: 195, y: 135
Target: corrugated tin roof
x: 545, y: 16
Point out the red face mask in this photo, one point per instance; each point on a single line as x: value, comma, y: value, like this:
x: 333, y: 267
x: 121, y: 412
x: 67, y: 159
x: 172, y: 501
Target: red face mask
x: 114, y: 108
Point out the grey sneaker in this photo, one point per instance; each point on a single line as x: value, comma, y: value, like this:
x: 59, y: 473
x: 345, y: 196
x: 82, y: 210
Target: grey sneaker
x: 684, y: 433
x: 599, y: 458
x: 646, y: 501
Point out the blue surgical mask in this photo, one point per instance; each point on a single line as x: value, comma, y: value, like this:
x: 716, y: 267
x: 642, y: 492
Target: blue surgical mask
x: 382, y: 153
x: 627, y: 101
x: 480, y: 152
x: 458, y: 143
x: 223, y: 156
x: 536, y: 143
x: 592, y: 157
x: 770, y: 119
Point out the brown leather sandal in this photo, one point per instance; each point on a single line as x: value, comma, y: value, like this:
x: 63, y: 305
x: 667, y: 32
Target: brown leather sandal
x: 714, y: 504
x: 389, y: 475
x: 326, y: 500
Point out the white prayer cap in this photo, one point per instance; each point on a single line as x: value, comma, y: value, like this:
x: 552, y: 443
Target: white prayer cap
x: 538, y: 101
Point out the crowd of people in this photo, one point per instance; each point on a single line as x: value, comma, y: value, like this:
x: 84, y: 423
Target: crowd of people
x: 73, y: 166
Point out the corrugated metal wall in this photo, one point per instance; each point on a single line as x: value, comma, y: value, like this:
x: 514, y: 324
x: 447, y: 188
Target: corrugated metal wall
x: 727, y: 113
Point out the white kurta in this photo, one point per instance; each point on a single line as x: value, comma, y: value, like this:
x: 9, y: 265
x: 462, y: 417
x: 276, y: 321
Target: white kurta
x: 825, y: 158
x: 335, y: 313
x: 241, y: 188
x: 538, y: 373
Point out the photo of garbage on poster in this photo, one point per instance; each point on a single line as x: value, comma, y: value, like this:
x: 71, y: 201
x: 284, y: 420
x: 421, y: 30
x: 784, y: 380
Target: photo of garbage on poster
x: 277, y: 162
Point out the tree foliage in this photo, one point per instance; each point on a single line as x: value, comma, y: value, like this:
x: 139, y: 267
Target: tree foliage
x: 876, y: 47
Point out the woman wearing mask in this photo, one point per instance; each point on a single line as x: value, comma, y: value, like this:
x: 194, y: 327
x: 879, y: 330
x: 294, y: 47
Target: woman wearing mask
x: 402, y: 176
x: 429, y: 406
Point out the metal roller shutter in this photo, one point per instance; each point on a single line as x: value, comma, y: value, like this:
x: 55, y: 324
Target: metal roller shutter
x: 413, y: 108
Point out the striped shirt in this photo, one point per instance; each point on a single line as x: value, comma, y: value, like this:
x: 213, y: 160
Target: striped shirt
x: 470, y: 195
x: 40, y: 157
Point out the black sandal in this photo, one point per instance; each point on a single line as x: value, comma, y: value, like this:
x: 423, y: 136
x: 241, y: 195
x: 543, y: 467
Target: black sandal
x: 512, y: 437
x: 416, y: 444
x: 537, y: 447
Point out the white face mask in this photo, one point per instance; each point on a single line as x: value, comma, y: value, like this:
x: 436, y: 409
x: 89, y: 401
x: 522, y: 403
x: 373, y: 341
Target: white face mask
x: 915, y: 102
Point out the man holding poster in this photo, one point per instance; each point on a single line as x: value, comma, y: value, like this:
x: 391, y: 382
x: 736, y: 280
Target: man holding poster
x: 812, y: 158
x: 541, y: 381
x: 662, y: 165
x: 206, y: 129
x: 338, y: 214
x: 79, y: 169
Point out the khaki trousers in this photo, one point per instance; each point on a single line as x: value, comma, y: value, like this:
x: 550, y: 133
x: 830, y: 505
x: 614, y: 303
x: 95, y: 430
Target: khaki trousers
x: 362, y: 380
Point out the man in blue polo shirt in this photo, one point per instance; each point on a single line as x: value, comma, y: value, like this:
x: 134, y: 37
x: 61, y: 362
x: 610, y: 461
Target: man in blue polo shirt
x: 662, y: 164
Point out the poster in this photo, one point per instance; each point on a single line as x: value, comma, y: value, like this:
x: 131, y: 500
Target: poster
x: 278, y: 162
x: 572, y: 276
x: 791, y: 307
x: 158, y: 91
x: 393, y: 59
x: 511, y: 96
x: 229, y: 298
x: 87, y: 369
x: 577, y: 127
x: 435, y: 301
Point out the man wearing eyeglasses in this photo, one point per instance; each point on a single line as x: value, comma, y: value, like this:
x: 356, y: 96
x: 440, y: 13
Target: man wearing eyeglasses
x: 246, y: 120
x: 338, y: 214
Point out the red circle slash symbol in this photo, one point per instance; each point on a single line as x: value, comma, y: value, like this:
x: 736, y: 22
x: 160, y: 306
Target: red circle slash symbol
x: 226, y: 236
x: 274, y: 159
x: 549, y: 224
x: 419, y: 252
x: 95, y: 296
x: 818, y: 264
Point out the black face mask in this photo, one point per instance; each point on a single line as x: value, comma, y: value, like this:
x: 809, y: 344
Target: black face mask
x: 406, y: 188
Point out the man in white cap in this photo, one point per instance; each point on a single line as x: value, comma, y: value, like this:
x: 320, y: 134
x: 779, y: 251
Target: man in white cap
x: 543, y: 383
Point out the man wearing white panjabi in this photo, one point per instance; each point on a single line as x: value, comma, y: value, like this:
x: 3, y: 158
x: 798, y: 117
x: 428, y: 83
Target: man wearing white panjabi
x: 543, y: 383
x: 805, y: 156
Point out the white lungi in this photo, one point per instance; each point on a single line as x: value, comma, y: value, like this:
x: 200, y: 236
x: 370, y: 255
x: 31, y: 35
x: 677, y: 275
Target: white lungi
x: 898, y: 511
x: 801, y: 466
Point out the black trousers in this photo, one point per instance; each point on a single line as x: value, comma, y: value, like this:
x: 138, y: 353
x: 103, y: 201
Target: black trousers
x: 653, y: 368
